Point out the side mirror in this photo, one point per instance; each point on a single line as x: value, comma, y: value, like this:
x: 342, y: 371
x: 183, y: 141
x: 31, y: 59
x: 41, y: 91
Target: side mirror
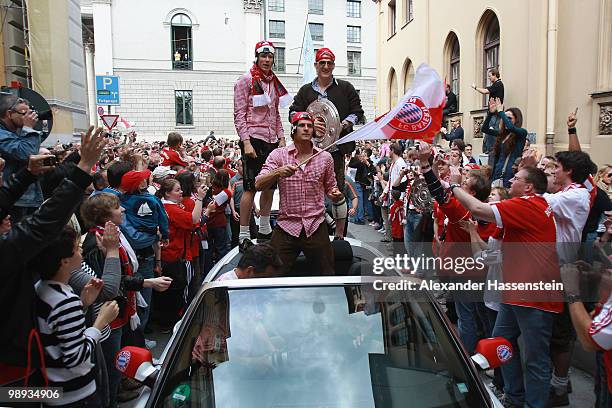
x: 492, y: 353
x: 136, y: 363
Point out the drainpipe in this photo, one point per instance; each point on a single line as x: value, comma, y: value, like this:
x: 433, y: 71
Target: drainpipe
x: 551, y: 73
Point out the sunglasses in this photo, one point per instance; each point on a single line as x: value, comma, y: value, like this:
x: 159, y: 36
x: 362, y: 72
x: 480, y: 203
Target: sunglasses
x: 328, y: 63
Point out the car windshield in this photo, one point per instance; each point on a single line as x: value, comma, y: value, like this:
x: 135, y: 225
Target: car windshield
x: 339, y: 346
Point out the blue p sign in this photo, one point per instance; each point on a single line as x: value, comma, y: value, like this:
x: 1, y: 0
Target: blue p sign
x: 107, y: 90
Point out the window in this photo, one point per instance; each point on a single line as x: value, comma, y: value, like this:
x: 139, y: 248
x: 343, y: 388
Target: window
x: 183, y: 107
x: 181, y: 42
x: 315, y: 6
x: 392, y: 89
x: 491, y: 51
x: 354, y: 63
x: 454, y: 65
x: 353, y: 34
x: 408, y: 16
x: 276, y: 5
x: 277, y: 29
x: 353, y: 8
x: 392, y: 26
x: 316, y: 31
x: 279, y: 60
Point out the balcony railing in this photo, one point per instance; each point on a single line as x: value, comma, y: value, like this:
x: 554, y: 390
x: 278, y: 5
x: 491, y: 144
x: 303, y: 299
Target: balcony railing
x: 182, y: 65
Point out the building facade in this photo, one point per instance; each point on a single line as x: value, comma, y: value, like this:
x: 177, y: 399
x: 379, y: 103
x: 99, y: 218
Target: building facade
x: 178, y: 62
x: 553, y: 55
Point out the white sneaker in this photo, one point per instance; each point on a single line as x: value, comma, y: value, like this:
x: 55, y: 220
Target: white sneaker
x: 150, y: 344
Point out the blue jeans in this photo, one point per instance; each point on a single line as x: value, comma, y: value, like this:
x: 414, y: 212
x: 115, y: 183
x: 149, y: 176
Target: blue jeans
x: 217, y: 237
x: 468, y: 316
x: 145, y: 269
x: 413, y: 219
x: 536, y: 328
x: 359, y: 211
x: 110, y: 347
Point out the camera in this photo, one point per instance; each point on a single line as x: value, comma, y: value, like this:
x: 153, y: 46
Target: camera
x: 50, y: 161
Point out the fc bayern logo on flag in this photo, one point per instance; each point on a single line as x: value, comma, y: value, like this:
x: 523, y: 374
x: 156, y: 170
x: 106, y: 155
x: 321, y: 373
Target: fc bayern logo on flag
x: 414, y: 116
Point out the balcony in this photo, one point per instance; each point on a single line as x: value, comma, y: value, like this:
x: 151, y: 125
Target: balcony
x: 182, y: 65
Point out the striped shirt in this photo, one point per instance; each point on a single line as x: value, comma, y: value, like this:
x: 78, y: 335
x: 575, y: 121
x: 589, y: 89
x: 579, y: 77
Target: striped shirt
x: 69, y: 346
x: 96, y: 306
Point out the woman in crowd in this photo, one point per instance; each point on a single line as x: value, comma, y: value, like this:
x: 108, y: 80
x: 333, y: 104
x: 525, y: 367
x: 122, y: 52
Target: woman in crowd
x: 509, y: 142
x: 603, y: 179
x: 177, y: 255
x: 97, y: 211
x: 189, y: 187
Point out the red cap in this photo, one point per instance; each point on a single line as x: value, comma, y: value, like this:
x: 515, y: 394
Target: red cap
x: 132, y: 179
x: 472, y: 166
x: 297, y: 116
x: 325, y: 53
x: 264, y: 46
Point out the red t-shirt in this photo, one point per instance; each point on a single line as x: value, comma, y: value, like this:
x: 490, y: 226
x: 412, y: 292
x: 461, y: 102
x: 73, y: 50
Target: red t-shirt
x: 195, y: 241
x: 172, y: 158
x: 396, y: 216
x: 180, y: 227
x: 457, y: 241
x: 222, y: 198
x: 529, y: 251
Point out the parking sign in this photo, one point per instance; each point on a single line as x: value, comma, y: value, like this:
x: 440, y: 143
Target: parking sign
x: 107, y: 90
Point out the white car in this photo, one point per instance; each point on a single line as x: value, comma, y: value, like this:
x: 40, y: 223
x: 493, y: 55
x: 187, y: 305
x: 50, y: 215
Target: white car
x: 313, y: 341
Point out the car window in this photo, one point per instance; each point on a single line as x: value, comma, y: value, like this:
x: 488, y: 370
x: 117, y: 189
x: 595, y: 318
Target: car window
x: 341, y: 346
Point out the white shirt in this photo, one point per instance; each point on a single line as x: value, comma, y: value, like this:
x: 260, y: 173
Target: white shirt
x: 601, y: 329
x: 571, y: 207
x: 394, y: 174
x: 230, y: 275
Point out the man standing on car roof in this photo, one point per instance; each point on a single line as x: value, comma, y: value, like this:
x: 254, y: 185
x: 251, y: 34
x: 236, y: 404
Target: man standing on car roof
x: 257, y: 96
x: 346, y: 100
x: 300, y: 225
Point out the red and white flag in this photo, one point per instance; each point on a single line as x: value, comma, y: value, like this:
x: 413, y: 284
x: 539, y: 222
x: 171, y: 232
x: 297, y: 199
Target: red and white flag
x: 418, y: 115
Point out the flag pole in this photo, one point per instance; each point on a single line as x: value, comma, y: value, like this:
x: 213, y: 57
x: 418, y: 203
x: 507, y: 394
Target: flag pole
x: 302, y: 48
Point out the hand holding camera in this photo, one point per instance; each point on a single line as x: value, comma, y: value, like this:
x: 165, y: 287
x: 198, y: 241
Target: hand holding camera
x: 41, y: 163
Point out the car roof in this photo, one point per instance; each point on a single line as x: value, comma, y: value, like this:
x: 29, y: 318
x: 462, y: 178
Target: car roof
x: 304, y: 281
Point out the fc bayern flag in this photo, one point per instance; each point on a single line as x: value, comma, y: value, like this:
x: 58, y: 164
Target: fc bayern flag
x: 418, y: 115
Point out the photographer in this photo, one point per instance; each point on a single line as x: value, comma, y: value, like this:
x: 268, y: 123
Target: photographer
x: 19, y: 141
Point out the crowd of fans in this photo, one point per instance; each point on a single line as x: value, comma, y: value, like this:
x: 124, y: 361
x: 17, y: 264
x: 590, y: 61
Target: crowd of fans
x: 110, y: 238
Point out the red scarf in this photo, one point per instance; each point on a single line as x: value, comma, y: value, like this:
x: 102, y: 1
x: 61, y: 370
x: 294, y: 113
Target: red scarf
x: 260, y: 97
x: 126, y: 269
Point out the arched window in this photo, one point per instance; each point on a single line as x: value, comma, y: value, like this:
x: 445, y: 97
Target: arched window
x: 392, y: 88
x: 490, y: 56
x: 181, y: 42
x: 408, y: 74
x: 454, y: 67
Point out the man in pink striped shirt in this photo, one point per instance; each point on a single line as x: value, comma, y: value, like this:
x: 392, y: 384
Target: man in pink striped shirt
x: 257, y: 96
x: 301, y: 225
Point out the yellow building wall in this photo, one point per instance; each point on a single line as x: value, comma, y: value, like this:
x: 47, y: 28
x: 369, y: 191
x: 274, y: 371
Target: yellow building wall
x: 49, y: 46
x: 524, y: 26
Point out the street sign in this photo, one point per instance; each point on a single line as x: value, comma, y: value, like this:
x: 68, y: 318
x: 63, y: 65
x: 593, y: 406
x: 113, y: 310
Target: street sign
x: 110, y: 121
x: 107, y: 90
